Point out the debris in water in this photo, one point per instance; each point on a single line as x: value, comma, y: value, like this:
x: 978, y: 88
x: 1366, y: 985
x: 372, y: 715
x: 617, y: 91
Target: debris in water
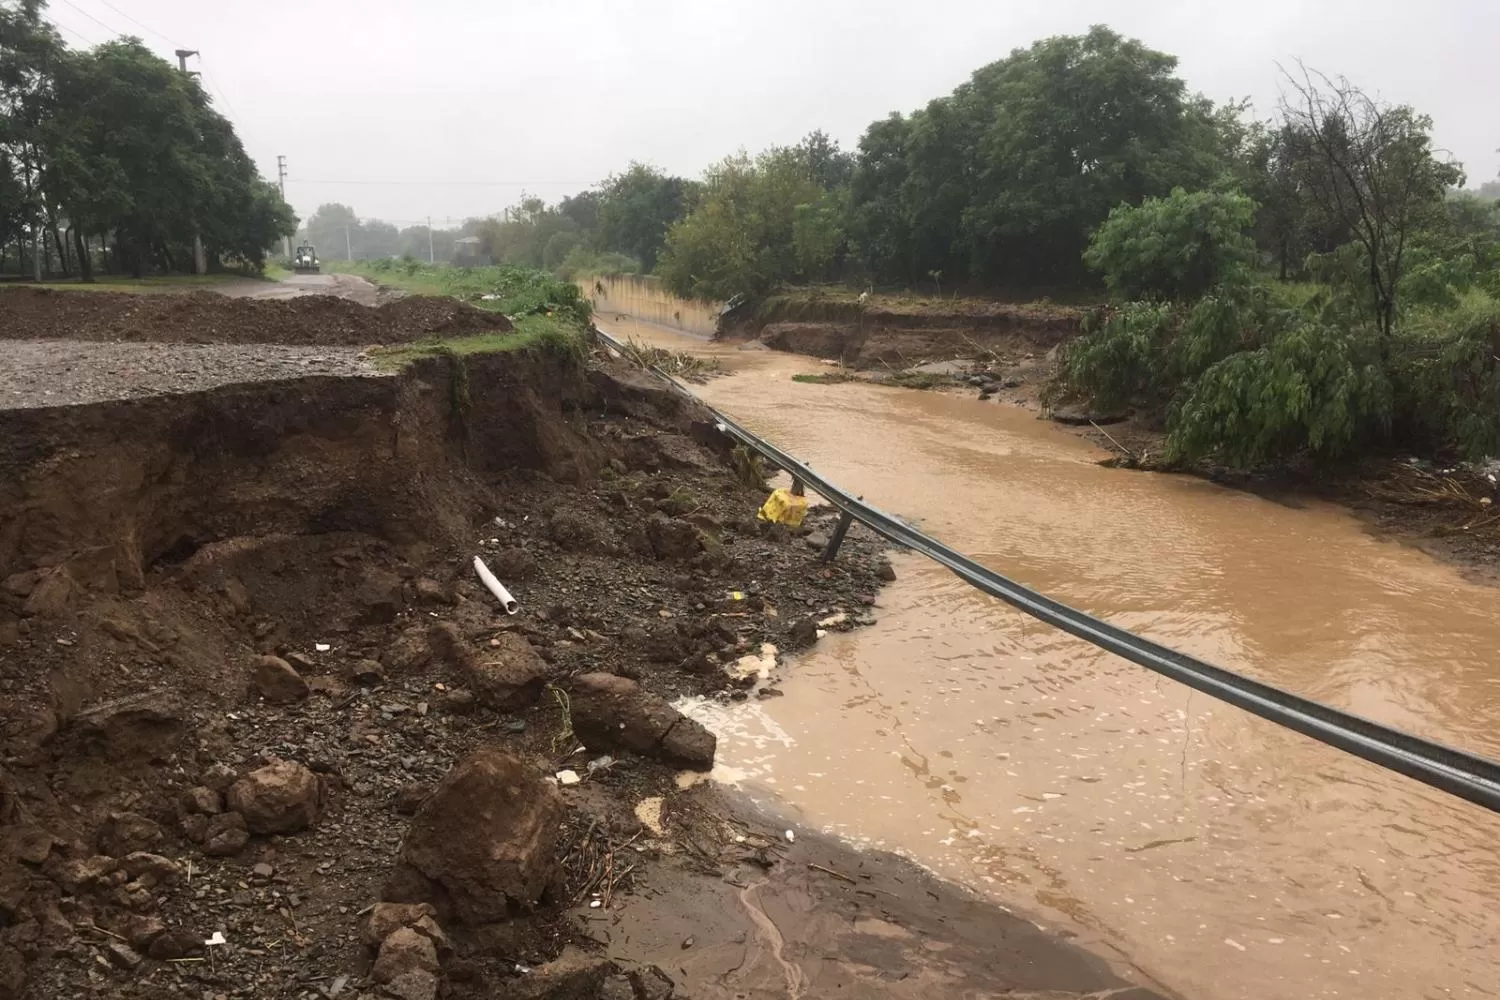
x: 791, y: 838
x: 568, y: 777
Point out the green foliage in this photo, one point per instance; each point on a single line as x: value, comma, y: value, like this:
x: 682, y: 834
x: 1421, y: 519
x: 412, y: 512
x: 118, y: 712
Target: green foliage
x: 1448, y: 380
x: 115, y: 142
x: 759, y: 221
x: 1177, y: 247
x: 1005, y: 179
x: 516, y: 291
x: 637, y: 207
x: 1314, y: 388
x: 581, y: 263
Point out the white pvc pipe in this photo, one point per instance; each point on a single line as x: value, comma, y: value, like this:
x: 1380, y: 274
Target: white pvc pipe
x: 497, y: 588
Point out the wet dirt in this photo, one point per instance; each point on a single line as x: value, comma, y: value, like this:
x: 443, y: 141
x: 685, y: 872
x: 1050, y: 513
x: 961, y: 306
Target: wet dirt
x: 1191, y: 844
x: 207, y: 318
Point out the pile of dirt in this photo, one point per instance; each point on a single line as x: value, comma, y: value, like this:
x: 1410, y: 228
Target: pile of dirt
x: 232, y: 694
x: 206, y: 318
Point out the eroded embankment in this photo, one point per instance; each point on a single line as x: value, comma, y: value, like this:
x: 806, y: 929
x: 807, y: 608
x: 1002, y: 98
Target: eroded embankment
x: 251, y: 688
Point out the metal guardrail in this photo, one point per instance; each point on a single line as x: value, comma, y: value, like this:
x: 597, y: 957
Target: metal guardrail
x: 1466, y: 775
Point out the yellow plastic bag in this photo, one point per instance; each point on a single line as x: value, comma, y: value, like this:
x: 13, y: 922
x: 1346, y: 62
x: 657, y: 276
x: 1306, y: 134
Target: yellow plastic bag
x: 784, y: 507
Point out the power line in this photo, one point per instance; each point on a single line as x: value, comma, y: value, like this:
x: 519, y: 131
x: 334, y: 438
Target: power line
x: 91, y: 17
x: 307, y: 180
x: 138, y: 24
x: 78, y: 35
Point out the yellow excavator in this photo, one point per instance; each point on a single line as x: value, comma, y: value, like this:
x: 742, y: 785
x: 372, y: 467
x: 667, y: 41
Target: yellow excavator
x: 305, y: 260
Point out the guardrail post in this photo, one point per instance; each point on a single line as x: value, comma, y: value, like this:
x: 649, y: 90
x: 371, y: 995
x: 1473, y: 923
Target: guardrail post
x: 838, y: 537
x: 799, y: 488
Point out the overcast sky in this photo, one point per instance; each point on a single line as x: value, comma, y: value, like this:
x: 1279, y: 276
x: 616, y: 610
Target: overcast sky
x: 451, y: 108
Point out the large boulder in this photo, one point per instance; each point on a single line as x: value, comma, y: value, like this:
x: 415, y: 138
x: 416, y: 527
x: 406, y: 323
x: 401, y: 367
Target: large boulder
x: 612, y: 713
x: 512, y: 678
x: 486, y: 837
x: 281, y: 797
x: 404, y: 951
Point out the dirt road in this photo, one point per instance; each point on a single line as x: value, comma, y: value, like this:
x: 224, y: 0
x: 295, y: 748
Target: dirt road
x: 345, y: 286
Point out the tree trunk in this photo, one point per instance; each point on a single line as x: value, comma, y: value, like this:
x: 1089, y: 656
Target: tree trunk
x: 166, y: 256
x: 85, y: 266
x: 62, y: 253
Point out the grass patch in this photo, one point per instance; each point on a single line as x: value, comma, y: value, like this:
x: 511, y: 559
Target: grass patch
x: 510, y: 289
x: 541, y: 333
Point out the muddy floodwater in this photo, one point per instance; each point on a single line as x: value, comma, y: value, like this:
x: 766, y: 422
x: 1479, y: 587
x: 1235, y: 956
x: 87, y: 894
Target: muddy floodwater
x: 1198, y: 848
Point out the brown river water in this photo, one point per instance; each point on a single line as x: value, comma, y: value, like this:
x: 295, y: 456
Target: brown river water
x: 1198, y: 848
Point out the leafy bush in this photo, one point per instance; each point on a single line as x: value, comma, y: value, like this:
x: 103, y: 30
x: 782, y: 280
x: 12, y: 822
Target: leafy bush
x: 1314, y: 388
x: 1175, y: 248
x: 1448, y: 381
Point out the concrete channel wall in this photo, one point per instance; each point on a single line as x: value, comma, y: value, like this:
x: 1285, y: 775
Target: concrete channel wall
x: 642, y: 297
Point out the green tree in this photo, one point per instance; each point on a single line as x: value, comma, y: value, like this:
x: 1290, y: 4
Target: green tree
x: 1371, y: 168
x: 1177, y: 247
x: 636, y: 208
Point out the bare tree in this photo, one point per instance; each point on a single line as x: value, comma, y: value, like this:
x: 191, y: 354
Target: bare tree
x: 1370, y: 167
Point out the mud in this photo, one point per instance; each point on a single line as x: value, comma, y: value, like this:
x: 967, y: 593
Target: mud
x: 154, y: 550
x: 208, y: 318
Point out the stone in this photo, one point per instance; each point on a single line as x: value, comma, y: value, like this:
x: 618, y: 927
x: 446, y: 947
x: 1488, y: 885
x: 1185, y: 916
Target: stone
x: 416, y: 985
x: 26, y: 842
x: 282, y: 797
x: 387, y: 918
x: 218, y: 777
x: 82, y: 873
x: 804, y: 633
x: 226, y: 835
x: 122, y: 955
x: 512, y: 563
x: 404, y: 951
x: 673, y: 539
x: 378, y: 597
x: 278, y: 681
x: 195, y: 827
x: 574, y: 975
x: 201, y: 799
x: 612, y: 713
x: 12, y: 973
x: 411, y: 796
x: 487, y: 836
x: 367, y: 673
x: 430, y: 593
x: 514, y: 679
x: 885, y: 571
x: 173, y: 944
x: 458, y: 701
x: 161, y: 871
x: 128, y: 832
x: 407, y: 653
x: 141, y: 930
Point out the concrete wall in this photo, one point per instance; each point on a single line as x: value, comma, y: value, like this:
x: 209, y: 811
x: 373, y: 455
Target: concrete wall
x: 642, y: 297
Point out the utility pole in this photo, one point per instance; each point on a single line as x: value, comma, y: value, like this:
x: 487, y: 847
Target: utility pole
x: 348, y: 251
x: 286, y: 241
x: 200, y: 265
x: 430, y: 258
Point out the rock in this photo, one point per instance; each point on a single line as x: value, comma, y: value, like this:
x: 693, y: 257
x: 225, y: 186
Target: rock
x: 225, y: 835
x: 26, y: 842
x: 160, y: 870
x: 448, y: 645
x: 367, y: 673
x: 617, y: 988
x: 512, y: 563
x: 201, y: 799
x: 387, y: 918
x: 673, y: 539
x: 411, y: 796
x: 513, y: 681
x: 195, y: 827
x: 487, y: 836
x: 122, y: 955
x: 52, y: 595
x: 651, y: 983
x: 409, y: 652
x: 83, y: 873
x: 430, y: 593
x: 816, y: 540
x: 173, y: 944
x: 614, y: 713
x: 263, y: 870
x: 1077, y: 416
x: 218, y: 777
x: 804, y: 633
x: 378, y: 597
x: 277, y: 681
x: 128, y: 832
x: 885, y: 571
x: 281, y: 797
x: 404, y: 951
x: 12, y: 973
x: 15, y: 885
x: 141, y: 930
x: 412, y: 986
x: 575, y: 975
x: 458, y: 701
x: 328, y: 686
